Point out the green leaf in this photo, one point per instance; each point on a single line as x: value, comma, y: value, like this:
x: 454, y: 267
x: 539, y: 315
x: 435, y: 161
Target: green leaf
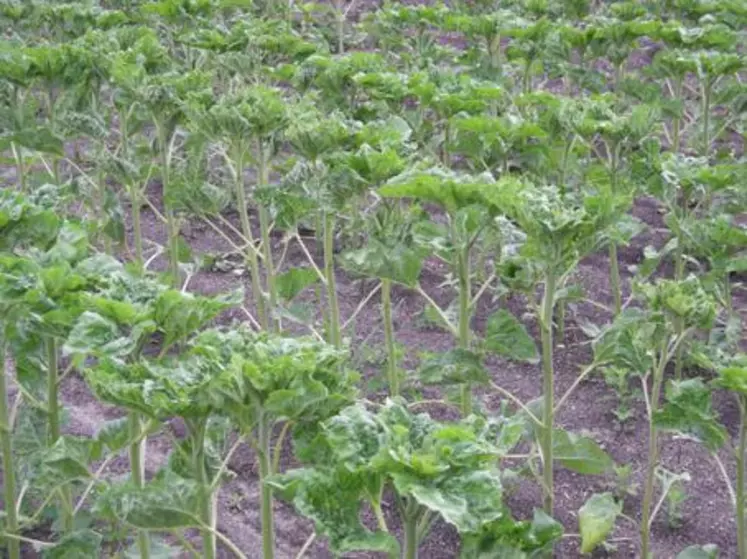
x: 596, y: 519
x: 708, y: 551
x: 69, y: 458
x: 398, y: 263
x: 467, y: 501
x: 689, y: 411
x: 456, y: 366
x: 166, y: 503
x: 505, y: 335
x: 332, y: 499
x: 97, y: 336
x: 511, y: 539
x: 450, y: 190
x: 114, y: 434
x: 82, y: 544
x: 295, y: 280
x: 580, y: 454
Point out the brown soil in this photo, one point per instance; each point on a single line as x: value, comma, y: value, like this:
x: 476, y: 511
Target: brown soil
x: 707, y: 516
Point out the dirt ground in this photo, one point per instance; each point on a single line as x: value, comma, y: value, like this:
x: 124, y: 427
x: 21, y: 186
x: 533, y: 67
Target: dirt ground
x: 707, y: 516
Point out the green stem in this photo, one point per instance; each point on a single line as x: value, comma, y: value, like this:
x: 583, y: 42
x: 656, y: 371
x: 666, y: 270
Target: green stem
x: 171, y: 224
x: 53, y: 425
x: 246, y: 229
x: 465, y: 301
x: 20, y: 169
x: 329, y: 271
x: 340, y: 28
x: 137, y: 228
x: 263, y: 455
x: 615, y: 278
x: 137, y: 471
x: 264, y: 226
x: 677, y: 122
x: 548, y: 390
x: 653, y: 455
x: 740, y: 504
x: 411, y: 532
x: 386, y: 306
x: 9, y: 476
x: 206, y: 494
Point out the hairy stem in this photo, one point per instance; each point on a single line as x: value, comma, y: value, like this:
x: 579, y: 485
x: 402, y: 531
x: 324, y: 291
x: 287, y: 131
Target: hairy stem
x: 548, y: 390
x: 329, y: 271
x: 171, y: 224
x: 465, y: 300
x: 653, y: 455
x: 740, y: 500
x: 206, y: 492
x: 410, y: 521
x: 53, y: 426
x: 386, y: 307
x: 137, y: 471
x: 246, y: 230
x: 9, y: 476
x: 264, y: 457
x: 264, y: 228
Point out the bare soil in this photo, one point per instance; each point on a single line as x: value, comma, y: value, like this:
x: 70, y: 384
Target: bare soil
x: 707, y: 515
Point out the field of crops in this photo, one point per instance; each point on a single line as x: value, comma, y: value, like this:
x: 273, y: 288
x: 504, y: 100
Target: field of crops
x: 289, y: 280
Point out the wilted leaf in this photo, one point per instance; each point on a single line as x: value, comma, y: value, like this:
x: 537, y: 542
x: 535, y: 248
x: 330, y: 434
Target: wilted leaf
x: 689, y: 410
x: 596, y: 520
x: 295, y: 280
x: 580, y: 454
x: 708, y: 551
x: 83, y: 544
x: 505, y: 335
x: 456, y: 366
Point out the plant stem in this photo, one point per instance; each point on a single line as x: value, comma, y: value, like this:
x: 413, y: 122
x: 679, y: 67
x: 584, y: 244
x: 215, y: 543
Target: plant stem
x: 53, y: 425
x: 171, y: 225
x: 615, y: 278
x: 206, y: 505
x: 653, y: 454
x: 548, y: 389
x: 9, y: 476
x: 264, y: 457
x: 137, y: 467
x: 264, y: 227
x: 20, y: 170
x: 740, y: 501
x: 411, y: 532
x: 246, y: 229
x: 329, y: 271
x: 707, y: 132
x: 340, y: 28
x: 465, y: 300
x: 677, y: 122
x: 386, y: 306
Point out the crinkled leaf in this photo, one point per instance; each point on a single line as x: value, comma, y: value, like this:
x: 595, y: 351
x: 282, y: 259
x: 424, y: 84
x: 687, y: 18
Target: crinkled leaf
x: 508, y: 538
x: 166, y: 503
x: 82, y: 544
x: 399, y: 263
x: 115, y: 434
x: 456, y: 366
x: 332, y: 499
x: 689, y: 410
x: 507, y: 336
x: 708, y: 551
x: 69, y: 458
x: 295, y: 280
x: 98, y: 336
x: 467, y: 500
x: 596, y: 519
x: 580, y: 454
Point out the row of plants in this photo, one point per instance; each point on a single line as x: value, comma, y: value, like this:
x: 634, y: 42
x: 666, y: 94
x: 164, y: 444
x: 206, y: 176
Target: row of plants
x: 309, y: 124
